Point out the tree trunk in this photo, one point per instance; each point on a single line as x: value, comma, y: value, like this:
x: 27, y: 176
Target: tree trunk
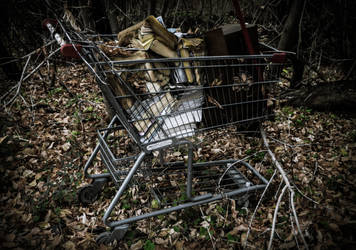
x: 289, y: 36
x: 111, y: 14
x: 87, y: 15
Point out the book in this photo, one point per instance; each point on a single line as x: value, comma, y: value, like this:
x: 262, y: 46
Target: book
x: 162, y: 50
x: 168, y: 38
x: 180, y: 118
x: 125, y: 35
x: 183, y: 52
x: 145, y: 113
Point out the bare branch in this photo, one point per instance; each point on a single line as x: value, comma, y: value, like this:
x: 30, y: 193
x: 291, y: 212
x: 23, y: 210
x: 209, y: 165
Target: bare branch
x: 24, y: 78
x: 257, y: 206
x: 287, y: 185
x: 274, y: 160
x: 296, y: 219
x: 175, y: 13
x: 275, y: 216
x: 18, y: 85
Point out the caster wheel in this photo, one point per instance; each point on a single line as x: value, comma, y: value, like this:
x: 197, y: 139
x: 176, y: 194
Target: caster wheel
x: 88, y: 194
x: 117, y: 234
x: 104, y: 238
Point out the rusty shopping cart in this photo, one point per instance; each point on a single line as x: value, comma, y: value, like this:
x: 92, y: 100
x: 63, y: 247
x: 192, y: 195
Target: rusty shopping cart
x: 161, y: 105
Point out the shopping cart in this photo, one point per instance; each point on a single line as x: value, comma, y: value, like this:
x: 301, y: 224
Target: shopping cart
x: 156, y: 110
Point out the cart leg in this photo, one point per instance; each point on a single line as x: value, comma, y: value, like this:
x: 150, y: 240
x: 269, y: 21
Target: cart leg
x: 189, y: 171
x: 93, y: 155
x: 122, y: 189
x: 161, y: 157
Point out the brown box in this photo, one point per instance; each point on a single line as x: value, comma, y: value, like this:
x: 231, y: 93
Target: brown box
x: 229, y: 40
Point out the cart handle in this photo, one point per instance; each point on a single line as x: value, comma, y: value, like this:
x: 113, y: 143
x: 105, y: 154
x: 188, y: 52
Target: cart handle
x: 67, y: 49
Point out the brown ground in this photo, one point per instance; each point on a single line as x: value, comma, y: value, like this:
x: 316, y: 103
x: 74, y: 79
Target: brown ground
x: 44, y: 147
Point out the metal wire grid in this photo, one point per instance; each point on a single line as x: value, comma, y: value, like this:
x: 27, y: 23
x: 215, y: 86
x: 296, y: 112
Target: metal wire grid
x: 231, y: 100
x: 235, y: 90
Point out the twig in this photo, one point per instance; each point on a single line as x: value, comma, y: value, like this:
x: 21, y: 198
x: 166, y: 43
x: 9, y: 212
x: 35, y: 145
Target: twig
x: 316, y: 168
x: 66, y: 88
x: 258, y: 204
x: 292, y: 224
x: 226, y: 214
x: 319, y: 61
x: 274, y: 160
x: 26, y: 77
x: 289, y: 145
x: 288, y: 185
x: 175, y: 13
x: 211, y: 238
x: 279, y: 187
x: 350, y: 71
x: 122, y: 12
x: 25, y: 56
x: 28, y: 107
x: 32, y: 105
x: 296, y: 219
x: 17, y: 136
x: 306, y: 197
x: 19, y: 83
x: 275, y: 217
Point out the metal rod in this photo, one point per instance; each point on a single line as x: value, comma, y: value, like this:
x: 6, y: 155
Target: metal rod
x: 189, y: 171
x: 121, y: 190
x: 185, y: 205
x: 93, y: 155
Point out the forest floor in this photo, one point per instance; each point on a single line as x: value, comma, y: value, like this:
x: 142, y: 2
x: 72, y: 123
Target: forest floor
x: 46, y: 141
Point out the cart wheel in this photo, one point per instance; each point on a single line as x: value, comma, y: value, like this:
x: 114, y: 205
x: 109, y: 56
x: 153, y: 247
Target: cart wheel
x: 119, y: 232
x: 88, y: 194
x: 104, y: 238
x: 109, y: 237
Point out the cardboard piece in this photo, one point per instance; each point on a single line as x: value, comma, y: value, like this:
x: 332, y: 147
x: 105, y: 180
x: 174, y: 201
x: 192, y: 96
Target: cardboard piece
x: 229, y: 40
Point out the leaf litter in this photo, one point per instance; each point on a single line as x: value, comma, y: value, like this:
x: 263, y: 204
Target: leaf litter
x: 43, y: 153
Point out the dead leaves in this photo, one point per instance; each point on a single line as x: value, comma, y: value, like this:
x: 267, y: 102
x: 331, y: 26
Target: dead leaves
x: 43, y: 174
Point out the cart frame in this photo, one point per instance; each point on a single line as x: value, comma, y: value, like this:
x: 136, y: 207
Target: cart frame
x: 101, y: 66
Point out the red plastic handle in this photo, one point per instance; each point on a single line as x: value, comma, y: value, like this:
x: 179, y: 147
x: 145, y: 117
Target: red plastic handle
x: 69, y: 50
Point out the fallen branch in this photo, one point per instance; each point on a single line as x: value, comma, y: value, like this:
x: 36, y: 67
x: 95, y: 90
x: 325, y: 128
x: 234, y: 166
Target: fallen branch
x: 18, y: 85
x: 275, y: 217
x: 296, y: 218
x: 287, y: 186
x: 257, y: 206
x: 23, y: 78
